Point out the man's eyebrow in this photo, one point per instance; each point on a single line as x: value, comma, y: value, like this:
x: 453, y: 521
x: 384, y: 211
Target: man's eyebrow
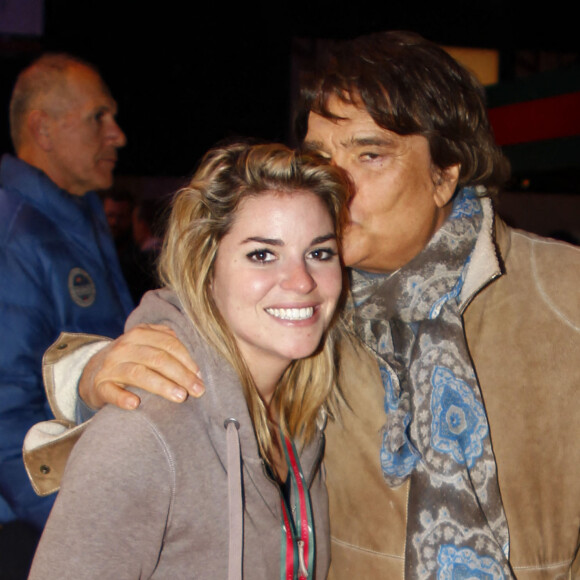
x: 108, y: 106
x: 102, y: 109
x: 368, y: 141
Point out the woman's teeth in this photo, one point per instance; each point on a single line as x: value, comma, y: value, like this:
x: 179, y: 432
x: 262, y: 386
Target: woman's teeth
x: 291, y: 313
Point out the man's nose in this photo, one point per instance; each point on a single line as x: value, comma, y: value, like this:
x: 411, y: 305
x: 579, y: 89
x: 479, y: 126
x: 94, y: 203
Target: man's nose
x: 298, y: 278
x: 116, y: 135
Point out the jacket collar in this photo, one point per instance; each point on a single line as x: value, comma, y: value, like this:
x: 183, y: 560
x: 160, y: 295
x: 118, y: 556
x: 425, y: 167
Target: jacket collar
x: 486, y: 262
x: 40, y: 192
x: 81, y: 218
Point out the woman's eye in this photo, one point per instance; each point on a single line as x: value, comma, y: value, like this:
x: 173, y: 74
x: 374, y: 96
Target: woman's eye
x: 261, y: 256
x: 322, y: 254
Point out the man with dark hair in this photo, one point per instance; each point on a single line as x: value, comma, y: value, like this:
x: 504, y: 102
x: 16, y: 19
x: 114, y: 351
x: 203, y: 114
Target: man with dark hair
x: 58, y: 262
x: 458, y: 453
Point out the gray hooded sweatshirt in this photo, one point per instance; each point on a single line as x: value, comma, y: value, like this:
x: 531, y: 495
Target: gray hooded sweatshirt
x: 145, y: 492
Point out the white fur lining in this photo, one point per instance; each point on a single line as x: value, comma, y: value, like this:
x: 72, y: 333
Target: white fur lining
x: 66, y: 374
x: 44, y: 433
x: 484, y: 265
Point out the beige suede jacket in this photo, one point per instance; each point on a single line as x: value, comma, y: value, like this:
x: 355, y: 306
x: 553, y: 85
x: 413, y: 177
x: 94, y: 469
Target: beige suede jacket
x: 522, y: 321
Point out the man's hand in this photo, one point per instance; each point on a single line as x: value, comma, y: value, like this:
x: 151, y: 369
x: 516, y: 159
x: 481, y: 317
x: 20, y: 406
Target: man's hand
x: 150, y: 357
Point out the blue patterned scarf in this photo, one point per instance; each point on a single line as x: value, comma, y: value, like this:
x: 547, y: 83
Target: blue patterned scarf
x: 436, y: 431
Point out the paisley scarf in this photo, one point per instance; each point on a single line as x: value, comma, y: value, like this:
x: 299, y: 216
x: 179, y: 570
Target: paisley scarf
x: 436, y: 431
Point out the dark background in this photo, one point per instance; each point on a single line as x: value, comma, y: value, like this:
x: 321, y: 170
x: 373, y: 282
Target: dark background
x: 186, y: 74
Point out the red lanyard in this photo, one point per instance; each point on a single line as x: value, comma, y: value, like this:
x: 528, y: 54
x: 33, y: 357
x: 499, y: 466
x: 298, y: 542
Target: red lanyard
x: 297, y: 531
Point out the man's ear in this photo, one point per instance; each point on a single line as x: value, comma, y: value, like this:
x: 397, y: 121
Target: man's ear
x: 445, y: 181
x: 38, y: 125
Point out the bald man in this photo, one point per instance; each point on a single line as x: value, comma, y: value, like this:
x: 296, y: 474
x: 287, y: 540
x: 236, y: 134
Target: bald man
x: 58, y: 262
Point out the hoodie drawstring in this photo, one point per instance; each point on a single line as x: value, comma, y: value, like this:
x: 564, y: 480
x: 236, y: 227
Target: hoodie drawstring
x: 236, y: 514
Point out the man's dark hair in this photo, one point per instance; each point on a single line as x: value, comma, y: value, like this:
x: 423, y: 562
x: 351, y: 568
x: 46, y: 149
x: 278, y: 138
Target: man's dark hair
x: 410, y: 86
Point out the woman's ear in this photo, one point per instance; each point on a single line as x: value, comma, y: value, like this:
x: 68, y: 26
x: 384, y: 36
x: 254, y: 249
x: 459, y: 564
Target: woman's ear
x: 445, y: 181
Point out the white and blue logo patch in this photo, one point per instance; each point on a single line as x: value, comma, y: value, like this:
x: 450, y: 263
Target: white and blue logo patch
x: 81, y: 287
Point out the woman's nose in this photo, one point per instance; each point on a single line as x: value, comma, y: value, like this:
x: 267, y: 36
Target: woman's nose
x: 298, y: 278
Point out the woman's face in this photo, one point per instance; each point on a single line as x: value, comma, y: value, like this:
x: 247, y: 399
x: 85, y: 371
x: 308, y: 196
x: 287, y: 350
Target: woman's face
x: 277, y: 278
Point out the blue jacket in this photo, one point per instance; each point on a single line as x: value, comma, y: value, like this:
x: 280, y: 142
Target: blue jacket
x: 59, y: 272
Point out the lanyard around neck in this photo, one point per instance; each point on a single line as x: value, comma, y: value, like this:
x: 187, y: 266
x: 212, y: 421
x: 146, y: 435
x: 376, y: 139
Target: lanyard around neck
x: 297, y: 562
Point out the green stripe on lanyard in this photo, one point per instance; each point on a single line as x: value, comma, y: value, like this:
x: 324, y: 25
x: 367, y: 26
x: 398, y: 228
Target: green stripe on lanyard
x: 297, y: 562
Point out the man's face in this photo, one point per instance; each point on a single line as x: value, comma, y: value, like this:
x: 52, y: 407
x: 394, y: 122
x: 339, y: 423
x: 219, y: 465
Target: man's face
x: 400, y: 198
x: 84, y: 136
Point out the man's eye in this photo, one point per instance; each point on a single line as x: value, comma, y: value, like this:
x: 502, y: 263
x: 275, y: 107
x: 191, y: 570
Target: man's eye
x: 261, y: 256
x: 322, y: 254
x: 369, y: 156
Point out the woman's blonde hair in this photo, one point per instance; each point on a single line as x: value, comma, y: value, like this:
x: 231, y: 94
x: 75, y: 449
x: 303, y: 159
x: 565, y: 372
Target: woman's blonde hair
x: 202, y: 214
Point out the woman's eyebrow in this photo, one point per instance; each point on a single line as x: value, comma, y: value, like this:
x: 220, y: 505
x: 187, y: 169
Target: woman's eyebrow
x: 322, y: 239
x: 269, y: 241
x: 278, y: 242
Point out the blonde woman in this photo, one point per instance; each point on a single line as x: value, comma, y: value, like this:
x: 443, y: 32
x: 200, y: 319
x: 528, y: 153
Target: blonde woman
x: 229, y: 484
